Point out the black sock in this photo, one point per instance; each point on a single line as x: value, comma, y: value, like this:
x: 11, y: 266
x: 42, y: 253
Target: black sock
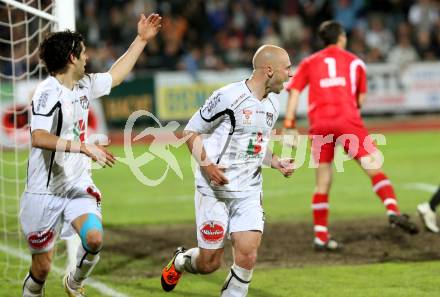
x: 435, y: 200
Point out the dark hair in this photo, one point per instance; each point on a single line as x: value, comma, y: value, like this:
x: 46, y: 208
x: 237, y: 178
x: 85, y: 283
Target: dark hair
x: 329, y: 32
x: 56, y: 49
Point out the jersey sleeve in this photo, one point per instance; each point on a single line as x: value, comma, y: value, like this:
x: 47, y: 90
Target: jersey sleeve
x: 358, y: 77
x: 100, y: 84
x: 44, y: 104
x: 209, y: 115
x: 300, y: 79
x: 362, y: 83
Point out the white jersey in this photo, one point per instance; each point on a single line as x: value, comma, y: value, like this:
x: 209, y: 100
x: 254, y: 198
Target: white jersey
x: 64, y: 113
x: 236, y: 130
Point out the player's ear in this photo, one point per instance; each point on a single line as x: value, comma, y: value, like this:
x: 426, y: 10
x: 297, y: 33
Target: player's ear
x: 71, y: 58
x: 269, y: 71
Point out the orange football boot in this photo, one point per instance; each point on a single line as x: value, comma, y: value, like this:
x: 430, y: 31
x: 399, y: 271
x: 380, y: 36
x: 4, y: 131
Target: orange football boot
x: 170, y: 276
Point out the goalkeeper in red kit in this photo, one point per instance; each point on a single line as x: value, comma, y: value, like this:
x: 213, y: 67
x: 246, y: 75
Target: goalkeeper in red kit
x: 337, y: 87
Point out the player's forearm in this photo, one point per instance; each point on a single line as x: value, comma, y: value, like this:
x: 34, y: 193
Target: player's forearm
x: 292, y: 106
x: 123, y: 66
x: 270, y: 159
x: 44, y: 140
x: 195, y: 146
x: 360, y: 100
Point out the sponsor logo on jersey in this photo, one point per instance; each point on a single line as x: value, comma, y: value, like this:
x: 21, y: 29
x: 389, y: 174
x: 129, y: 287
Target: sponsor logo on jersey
x: 211, y: 104
x: 269, y: 119
x: 79, y: 130
x: 238, y: 99
x: 42, y: 100
x: 40, y: 240
x: 84, y: 102
x: 254, y: 146
x: 247, y: 117
x: 212, y: 232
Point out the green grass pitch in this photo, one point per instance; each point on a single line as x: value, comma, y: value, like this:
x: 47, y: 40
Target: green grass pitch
x: 409, y: 158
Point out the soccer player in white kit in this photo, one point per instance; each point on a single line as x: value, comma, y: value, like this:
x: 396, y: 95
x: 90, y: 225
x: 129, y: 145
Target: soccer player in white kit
x: 60, y: 196
x: 236, y: 123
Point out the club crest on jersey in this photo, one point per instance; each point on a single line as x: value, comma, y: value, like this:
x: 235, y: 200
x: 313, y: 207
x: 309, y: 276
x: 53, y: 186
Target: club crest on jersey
x: 84, y: 102
x: 269, y: 119
x: 247, y: 117
x: 212, y: 232
x: 40, y: 240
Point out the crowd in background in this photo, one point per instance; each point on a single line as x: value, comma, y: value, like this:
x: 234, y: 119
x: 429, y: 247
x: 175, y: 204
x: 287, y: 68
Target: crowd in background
x: 218, y: 34
x: 222, y: 34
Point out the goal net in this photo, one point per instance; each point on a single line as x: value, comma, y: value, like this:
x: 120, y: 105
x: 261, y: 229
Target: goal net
x: 23, y: 25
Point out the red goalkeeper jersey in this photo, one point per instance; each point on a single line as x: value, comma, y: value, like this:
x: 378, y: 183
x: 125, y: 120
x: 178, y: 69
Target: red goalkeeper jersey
x: 335, y: 78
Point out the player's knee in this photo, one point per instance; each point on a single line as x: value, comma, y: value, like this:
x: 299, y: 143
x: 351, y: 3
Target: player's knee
x: 94, y: 241
x: 41, y: 264
x: 91, y: 234
x: 209, y: 266
x: 246, y: 259
x: 208, y: 263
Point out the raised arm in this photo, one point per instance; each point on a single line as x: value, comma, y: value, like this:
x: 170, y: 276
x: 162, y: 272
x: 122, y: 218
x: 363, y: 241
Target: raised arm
x: 147, y: 29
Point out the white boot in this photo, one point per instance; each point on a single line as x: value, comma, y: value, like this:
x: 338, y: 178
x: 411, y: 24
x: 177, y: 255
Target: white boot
x: 428, y: 217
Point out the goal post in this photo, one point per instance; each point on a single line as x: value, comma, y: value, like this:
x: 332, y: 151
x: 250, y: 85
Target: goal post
x: 23, y: 25
x: 63, y: 13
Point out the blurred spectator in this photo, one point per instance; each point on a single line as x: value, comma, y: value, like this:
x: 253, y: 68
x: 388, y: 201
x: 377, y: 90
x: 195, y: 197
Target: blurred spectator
x: 291, y: 24
x: 210, y: 59
x: 357, y: 44
x: 270, y: 36
x: 425, y: 47
x: 220, y: 34
x: 403, y: 52
x: 171, y: 56
x: 217, y: 13
x: 314, y: 12
x: 191, y: 62
x: 347, y: 12
x: 424, y: 14
x: 378, y: 36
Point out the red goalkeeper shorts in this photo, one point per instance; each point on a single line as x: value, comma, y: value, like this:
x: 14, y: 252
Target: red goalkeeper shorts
x: 349, y: 133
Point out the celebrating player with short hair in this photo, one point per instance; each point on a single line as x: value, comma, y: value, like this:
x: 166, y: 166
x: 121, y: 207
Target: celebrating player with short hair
x: 228, y: 199
x: 337, y: 87
x: 60, y: 197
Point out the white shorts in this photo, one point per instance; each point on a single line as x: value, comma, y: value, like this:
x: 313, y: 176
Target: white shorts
x: 216, y: 217
x: 43, y: 217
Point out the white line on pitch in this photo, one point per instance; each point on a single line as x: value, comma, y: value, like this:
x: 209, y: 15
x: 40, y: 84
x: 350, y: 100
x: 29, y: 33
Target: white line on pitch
x: 422, y: 186
x: 97, y: 285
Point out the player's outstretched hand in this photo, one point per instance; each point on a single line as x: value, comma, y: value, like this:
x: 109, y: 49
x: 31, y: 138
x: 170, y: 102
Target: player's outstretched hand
x: 290, y: 137
x: 286, y: 166
x: 215, y: 175
x: 99, y: 154
x: 149, y: 26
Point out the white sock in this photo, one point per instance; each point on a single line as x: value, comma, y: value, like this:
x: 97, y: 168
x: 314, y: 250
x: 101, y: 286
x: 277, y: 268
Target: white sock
x: 85, y: 262
x: 187, y: 261
x: 237, y: 282
x: 32, y: 287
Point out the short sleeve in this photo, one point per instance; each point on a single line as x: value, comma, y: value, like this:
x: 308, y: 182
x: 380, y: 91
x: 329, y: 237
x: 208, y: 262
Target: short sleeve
x: 100, y: 84
x: 300, y: 79
x: 362, y: 83
x: 358, y: 77
x: 44, y: 105
x: 209, y: 115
